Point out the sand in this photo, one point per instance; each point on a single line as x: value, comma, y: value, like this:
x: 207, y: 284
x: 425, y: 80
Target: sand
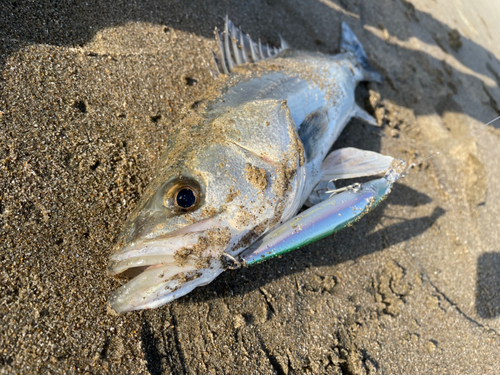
x: 89, y: 92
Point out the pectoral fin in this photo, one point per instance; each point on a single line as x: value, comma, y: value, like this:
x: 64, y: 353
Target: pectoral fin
x: 312, y: 131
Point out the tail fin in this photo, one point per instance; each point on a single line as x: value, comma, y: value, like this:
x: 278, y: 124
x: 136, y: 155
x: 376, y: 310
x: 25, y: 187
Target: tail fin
x: 349, y: 43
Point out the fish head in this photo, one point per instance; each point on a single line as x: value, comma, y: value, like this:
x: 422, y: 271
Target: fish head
x: 223, y: 182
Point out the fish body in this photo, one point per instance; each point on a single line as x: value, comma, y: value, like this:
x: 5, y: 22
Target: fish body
x: 242, y: 163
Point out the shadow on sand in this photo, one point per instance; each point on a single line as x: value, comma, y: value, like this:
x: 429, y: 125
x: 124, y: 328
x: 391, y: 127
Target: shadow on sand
x: 74, y: 23
x: 488, y: 285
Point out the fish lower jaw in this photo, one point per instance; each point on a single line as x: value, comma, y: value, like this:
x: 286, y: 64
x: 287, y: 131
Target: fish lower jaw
x: 159, y: 284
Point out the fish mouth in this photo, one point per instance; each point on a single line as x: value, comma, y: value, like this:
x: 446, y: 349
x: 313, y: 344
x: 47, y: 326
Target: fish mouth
x: 156, y: 272
x: 136, y: 258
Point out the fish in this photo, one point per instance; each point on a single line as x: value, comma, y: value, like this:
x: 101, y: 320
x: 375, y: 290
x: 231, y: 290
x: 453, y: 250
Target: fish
x: 242, y: 164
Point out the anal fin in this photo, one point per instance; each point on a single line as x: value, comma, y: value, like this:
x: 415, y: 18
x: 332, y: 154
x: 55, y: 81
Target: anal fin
x: 361, y: 114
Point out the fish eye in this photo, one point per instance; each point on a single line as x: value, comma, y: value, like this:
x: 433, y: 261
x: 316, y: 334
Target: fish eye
x: 185, y: 198
x: 183, y: 195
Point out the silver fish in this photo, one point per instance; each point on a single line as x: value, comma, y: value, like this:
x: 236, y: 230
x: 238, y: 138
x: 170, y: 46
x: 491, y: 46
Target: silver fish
x: 242, y: 164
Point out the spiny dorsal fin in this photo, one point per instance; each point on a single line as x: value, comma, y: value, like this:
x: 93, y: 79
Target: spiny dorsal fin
x: 236, y: 48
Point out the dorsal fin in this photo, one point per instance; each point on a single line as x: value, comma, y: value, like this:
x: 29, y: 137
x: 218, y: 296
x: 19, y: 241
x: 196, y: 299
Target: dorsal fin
x: 236, y: 48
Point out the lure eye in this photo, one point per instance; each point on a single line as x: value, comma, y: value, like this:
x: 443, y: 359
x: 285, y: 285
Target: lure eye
x: 185, y: 198
x: 183, y: 195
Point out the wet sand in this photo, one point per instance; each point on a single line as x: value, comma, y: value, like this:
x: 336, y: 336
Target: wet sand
x: 89, y: 93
